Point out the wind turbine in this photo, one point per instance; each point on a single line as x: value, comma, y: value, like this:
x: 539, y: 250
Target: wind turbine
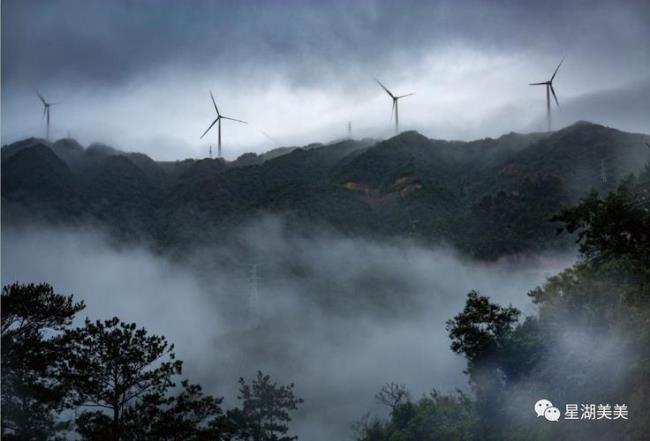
x: 46, y: 113
x: 218, y: 120
x: 549, y: 90
x: 395, y: 99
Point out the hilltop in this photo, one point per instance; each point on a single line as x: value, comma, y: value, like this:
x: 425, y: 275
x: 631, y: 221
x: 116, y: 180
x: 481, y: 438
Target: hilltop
x: 489, y: 197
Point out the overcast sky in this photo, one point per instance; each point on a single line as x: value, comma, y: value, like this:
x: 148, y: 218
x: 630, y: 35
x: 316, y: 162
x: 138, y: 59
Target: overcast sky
x: 136, y: 74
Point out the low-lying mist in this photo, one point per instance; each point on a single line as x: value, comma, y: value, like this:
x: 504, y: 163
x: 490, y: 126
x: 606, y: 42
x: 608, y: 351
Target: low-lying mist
x: 337, y: 316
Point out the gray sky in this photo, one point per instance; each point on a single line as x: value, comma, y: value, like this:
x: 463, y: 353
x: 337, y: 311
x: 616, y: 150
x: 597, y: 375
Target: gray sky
x: 136, y: 74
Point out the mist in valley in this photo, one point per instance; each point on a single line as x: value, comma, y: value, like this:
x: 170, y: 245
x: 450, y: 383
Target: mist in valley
x: 337, y: 316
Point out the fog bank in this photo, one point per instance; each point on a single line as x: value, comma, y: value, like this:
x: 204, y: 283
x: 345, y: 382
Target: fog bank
x: 337, y: 316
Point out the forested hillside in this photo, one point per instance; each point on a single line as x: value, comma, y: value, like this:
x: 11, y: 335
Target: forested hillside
x: 588, y: 344
x: 489, y: 198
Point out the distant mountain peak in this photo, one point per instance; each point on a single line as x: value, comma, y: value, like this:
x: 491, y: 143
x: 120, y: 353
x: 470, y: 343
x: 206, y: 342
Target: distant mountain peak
x: 10, y: 150
x: 99, y: 149
x: 68, y: 143
x: 36, y: 160
x: 409, y: 136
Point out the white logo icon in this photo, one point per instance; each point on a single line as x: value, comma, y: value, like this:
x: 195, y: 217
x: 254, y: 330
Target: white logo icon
x: 541, y: 406
x: 552, y: 414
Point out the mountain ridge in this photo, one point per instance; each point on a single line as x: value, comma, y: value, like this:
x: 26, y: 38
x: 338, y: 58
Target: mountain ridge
x: 489, y: 197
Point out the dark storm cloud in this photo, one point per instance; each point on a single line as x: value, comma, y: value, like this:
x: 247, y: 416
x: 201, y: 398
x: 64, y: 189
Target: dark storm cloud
x: 109, y: 42
x: 136, y: 73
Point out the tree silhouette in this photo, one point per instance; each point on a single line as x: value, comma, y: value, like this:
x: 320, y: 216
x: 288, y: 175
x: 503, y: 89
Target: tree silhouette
x: 33, y: 317
x: 264, y: 411
x: 392, y: 394
x: 187, y: 416
x: 481, y: 328
x: 615, y: 226
x: 113, y: 366
x: 483, y: 333
x: 118, y: 378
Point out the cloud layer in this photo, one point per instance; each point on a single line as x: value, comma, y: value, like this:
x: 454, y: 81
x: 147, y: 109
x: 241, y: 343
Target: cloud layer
x: 137, y: 74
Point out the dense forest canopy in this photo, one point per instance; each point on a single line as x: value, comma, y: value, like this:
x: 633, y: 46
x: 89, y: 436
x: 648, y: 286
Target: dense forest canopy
x: 489, y: 198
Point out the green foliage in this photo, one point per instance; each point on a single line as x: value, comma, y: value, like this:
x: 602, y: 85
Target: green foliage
x: 612, y: 228
x: 590, y: 338
x: 589, y: 341
x: 433, y: 417
x: 511, y: 222
x: 481, y: 328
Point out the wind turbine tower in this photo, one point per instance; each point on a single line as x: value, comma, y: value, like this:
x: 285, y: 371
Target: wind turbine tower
x: 549, y: 91
x: 395, y: 109
x: 46, y: 113
x: 350, y: 129
x: 218, y: 122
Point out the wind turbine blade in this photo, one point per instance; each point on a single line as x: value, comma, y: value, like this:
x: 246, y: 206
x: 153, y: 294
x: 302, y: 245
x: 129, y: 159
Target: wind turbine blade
x: 392, y: 110
x: 215, y: 104
x: 54, y: 104
x: 556, y: 69
x: 536, y: 84
x: 233, y: 119
x: 403, y: 96
x: 208, y: 129
x: 44, y: 112
x: 41, y: 97
x: 554, y: 96
x: 384, y: 87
